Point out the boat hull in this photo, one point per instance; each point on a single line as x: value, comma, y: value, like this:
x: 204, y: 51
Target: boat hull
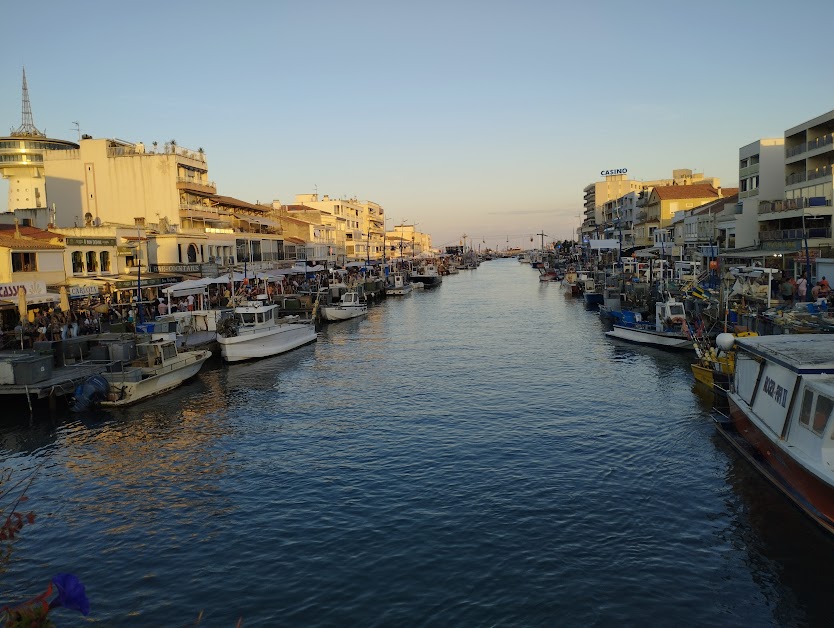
x: 343, y: 313
x: 660, y: 339
x: 399, y: 291
x: 811, y: 494
x: 428, y: 281
x: 133, y: 392
x: 267, y: 342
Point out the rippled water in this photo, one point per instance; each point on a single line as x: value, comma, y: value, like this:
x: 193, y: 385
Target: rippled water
x: 479, y: 454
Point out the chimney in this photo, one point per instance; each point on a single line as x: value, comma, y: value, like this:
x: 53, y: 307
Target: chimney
x: 720, y: 194
x: 16, y: 228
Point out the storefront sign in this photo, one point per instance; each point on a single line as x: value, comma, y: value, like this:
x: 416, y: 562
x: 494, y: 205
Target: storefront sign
x: 125, y: 250
x: 83, y: 291
x: 10, y: 290
x: 606, y: 173
x: 91, y: 241
x: 174, y: 268
x: 146, y: 283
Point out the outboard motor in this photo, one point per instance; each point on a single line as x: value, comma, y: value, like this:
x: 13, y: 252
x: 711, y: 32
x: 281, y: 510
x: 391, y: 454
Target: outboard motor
x: 89, y: 392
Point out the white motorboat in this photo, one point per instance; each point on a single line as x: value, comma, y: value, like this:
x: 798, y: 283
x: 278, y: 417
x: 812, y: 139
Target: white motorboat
x: 428, y: 275
x: 667, y: 332
x: 158, y: 368
x: 780, y: 405
x: 398, y: 284
x: 350, y: 306
x: 255, y: 331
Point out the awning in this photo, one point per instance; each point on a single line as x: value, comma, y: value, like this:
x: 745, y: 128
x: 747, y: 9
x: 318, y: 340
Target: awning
x: 49, y: 297
x: 149, y: 280
x: 259, y: 220
x: 293, y: 240
x: 754, y: 254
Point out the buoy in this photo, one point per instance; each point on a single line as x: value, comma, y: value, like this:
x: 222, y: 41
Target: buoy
x: 725, y: 341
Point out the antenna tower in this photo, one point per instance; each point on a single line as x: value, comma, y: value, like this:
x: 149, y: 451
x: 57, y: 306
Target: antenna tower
x: 27, y: 128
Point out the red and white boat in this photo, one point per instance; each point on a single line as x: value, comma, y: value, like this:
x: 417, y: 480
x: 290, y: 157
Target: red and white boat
x: 780, y: 405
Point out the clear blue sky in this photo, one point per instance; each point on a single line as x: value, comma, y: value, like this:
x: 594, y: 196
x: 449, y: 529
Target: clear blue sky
x: 478, y: 117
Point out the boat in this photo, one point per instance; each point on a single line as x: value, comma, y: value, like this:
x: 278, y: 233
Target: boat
x: 158, y: 368
x: 780, y: 405
x: 398, y: 284
x: 427, y: 275
x: 569, y: 282
x: 592, y: 290
x: 715, y: 362
x: 256, y: 331
x: 546, y: 274
x: 350, y: 306
x: 669, y: 330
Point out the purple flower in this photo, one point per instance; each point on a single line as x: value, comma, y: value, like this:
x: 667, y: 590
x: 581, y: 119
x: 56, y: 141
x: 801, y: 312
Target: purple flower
x: 71, y: 593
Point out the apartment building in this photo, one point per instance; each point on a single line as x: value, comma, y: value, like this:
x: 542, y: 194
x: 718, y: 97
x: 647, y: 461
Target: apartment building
x: 597, y: 212
x: 663, y: 202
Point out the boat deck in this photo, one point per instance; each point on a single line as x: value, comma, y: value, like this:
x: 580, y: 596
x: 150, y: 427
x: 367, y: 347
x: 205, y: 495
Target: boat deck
x: 63, y: 381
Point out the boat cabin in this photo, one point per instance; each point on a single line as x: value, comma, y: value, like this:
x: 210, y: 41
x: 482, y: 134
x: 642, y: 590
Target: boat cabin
x: 160, y: 352
x: 253, y: 315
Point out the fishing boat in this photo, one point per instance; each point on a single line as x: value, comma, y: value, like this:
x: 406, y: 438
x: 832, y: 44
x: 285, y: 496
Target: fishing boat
x: 780, y: 405
x: 715, y: 362
x: 427, y: 275
x: 549, y: 274
x: 256, y: 331
x: 668, y: 331
x: 350, y: 306
x: 570, y: 282
x: 398, y: 285
x: 158, y: 368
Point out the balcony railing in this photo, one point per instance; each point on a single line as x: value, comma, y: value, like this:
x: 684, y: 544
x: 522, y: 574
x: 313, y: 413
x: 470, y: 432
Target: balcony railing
x: 792, y: 204
x: 791, y: 151
x: 794, y: 234
x: 196, y: 184
x: 820, y: 142
x: 816, y: 173
x: 796, y: 177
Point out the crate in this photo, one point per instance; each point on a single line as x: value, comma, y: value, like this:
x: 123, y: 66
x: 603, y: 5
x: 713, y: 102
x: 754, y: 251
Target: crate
x: 32, y: 370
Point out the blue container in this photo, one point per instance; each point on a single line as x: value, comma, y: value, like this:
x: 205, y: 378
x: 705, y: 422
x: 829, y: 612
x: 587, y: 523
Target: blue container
x: 145, y: 328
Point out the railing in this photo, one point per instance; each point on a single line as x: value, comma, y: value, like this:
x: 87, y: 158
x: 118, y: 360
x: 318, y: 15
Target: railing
x: 820, y: 142
x: 792, y: 204
x: 192, y: 181
x: 816, y: 173
x: 794, y: 234
x: 791, y: 151
x: 796, y: 177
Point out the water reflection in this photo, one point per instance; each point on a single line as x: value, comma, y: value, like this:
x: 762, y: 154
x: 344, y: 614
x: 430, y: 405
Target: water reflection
x: 790, y: 557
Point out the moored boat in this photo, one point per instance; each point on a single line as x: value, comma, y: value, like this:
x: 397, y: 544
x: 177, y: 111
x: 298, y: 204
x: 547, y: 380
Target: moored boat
x: 667, y: 331
x: 427, y: 275
x: 159, y: 368
x: 350, y: 306
x: 398, y: 285
x: 780, y: 406
x: 255, y: 331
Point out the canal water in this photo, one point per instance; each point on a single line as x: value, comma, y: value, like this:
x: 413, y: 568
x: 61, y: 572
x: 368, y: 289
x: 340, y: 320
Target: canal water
x: 479, y: 454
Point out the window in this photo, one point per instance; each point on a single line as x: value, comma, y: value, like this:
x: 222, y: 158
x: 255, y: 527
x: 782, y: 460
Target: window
x: 104, y: 257
x: 821, y: 414
x: 92, y: 261
x: 77, y: 262
x: 24, y: 263
x: 192, y: 254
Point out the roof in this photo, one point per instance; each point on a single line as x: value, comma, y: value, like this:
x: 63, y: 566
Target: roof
x: 720, y: 202
x: 675, y: 192
x: 7, y: 231
x: 26, y: 244
x: 228, y: 201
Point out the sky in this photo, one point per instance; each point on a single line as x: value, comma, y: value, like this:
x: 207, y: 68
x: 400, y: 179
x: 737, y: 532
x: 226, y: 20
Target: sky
x: 482, y: 118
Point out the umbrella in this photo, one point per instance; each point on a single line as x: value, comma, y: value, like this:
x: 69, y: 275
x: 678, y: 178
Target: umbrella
x: 21, y: 304
x: 65, y: 306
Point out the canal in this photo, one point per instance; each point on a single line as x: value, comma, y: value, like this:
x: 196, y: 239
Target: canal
x: 477, y: 454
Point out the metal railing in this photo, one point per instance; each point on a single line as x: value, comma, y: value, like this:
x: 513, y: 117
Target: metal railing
x: 794, y: 234
x: 796, y: 177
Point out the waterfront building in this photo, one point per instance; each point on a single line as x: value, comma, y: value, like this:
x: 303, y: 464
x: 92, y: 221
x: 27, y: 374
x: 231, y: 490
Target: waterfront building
x: 761, y: 175
x: 325, y: 230
x: 404, y: 241
x: 664, y: 202
x: 801, y: 217
x: 22, y: 165
x: 615, y: 185
x: 29, y: 259
x: 698, y: 234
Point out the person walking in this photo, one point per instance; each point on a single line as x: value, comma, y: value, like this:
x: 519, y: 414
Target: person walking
x: 801, y: 287
x: 786, y: 289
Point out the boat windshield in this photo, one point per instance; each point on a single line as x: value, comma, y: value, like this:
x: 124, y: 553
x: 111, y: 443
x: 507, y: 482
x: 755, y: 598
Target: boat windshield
x: 247, y: 318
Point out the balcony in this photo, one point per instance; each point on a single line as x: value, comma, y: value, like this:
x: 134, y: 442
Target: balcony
x: 194, y: 185
x: 752, y: 169
x: 817, y: 173
x: 820, y: 142
x: 796, y: 177
x: 792, y: 151
x: 792, y: 204
x: 794, y: 234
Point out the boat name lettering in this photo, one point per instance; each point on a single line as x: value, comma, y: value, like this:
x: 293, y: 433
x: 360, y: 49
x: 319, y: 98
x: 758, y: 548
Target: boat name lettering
x: 606, y: 173
x: 777, y: 392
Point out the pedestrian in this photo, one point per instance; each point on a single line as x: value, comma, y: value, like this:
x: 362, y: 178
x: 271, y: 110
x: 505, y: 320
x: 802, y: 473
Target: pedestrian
x: 786, y: 288
x: 162, y: 308
x: 801, y: 287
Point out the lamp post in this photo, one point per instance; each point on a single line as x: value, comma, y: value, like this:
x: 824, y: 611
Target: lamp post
x: 807, y: 260
x: 139, y: 277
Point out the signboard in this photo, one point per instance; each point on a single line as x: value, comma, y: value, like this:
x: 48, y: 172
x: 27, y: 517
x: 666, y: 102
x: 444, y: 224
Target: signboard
x: 606, y: 173
x: 83, y: 291
x: 174, y: 268
x: 146, y: 283
x: 91, y: 241
x: 604, y: 244
x: 10, y: 290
